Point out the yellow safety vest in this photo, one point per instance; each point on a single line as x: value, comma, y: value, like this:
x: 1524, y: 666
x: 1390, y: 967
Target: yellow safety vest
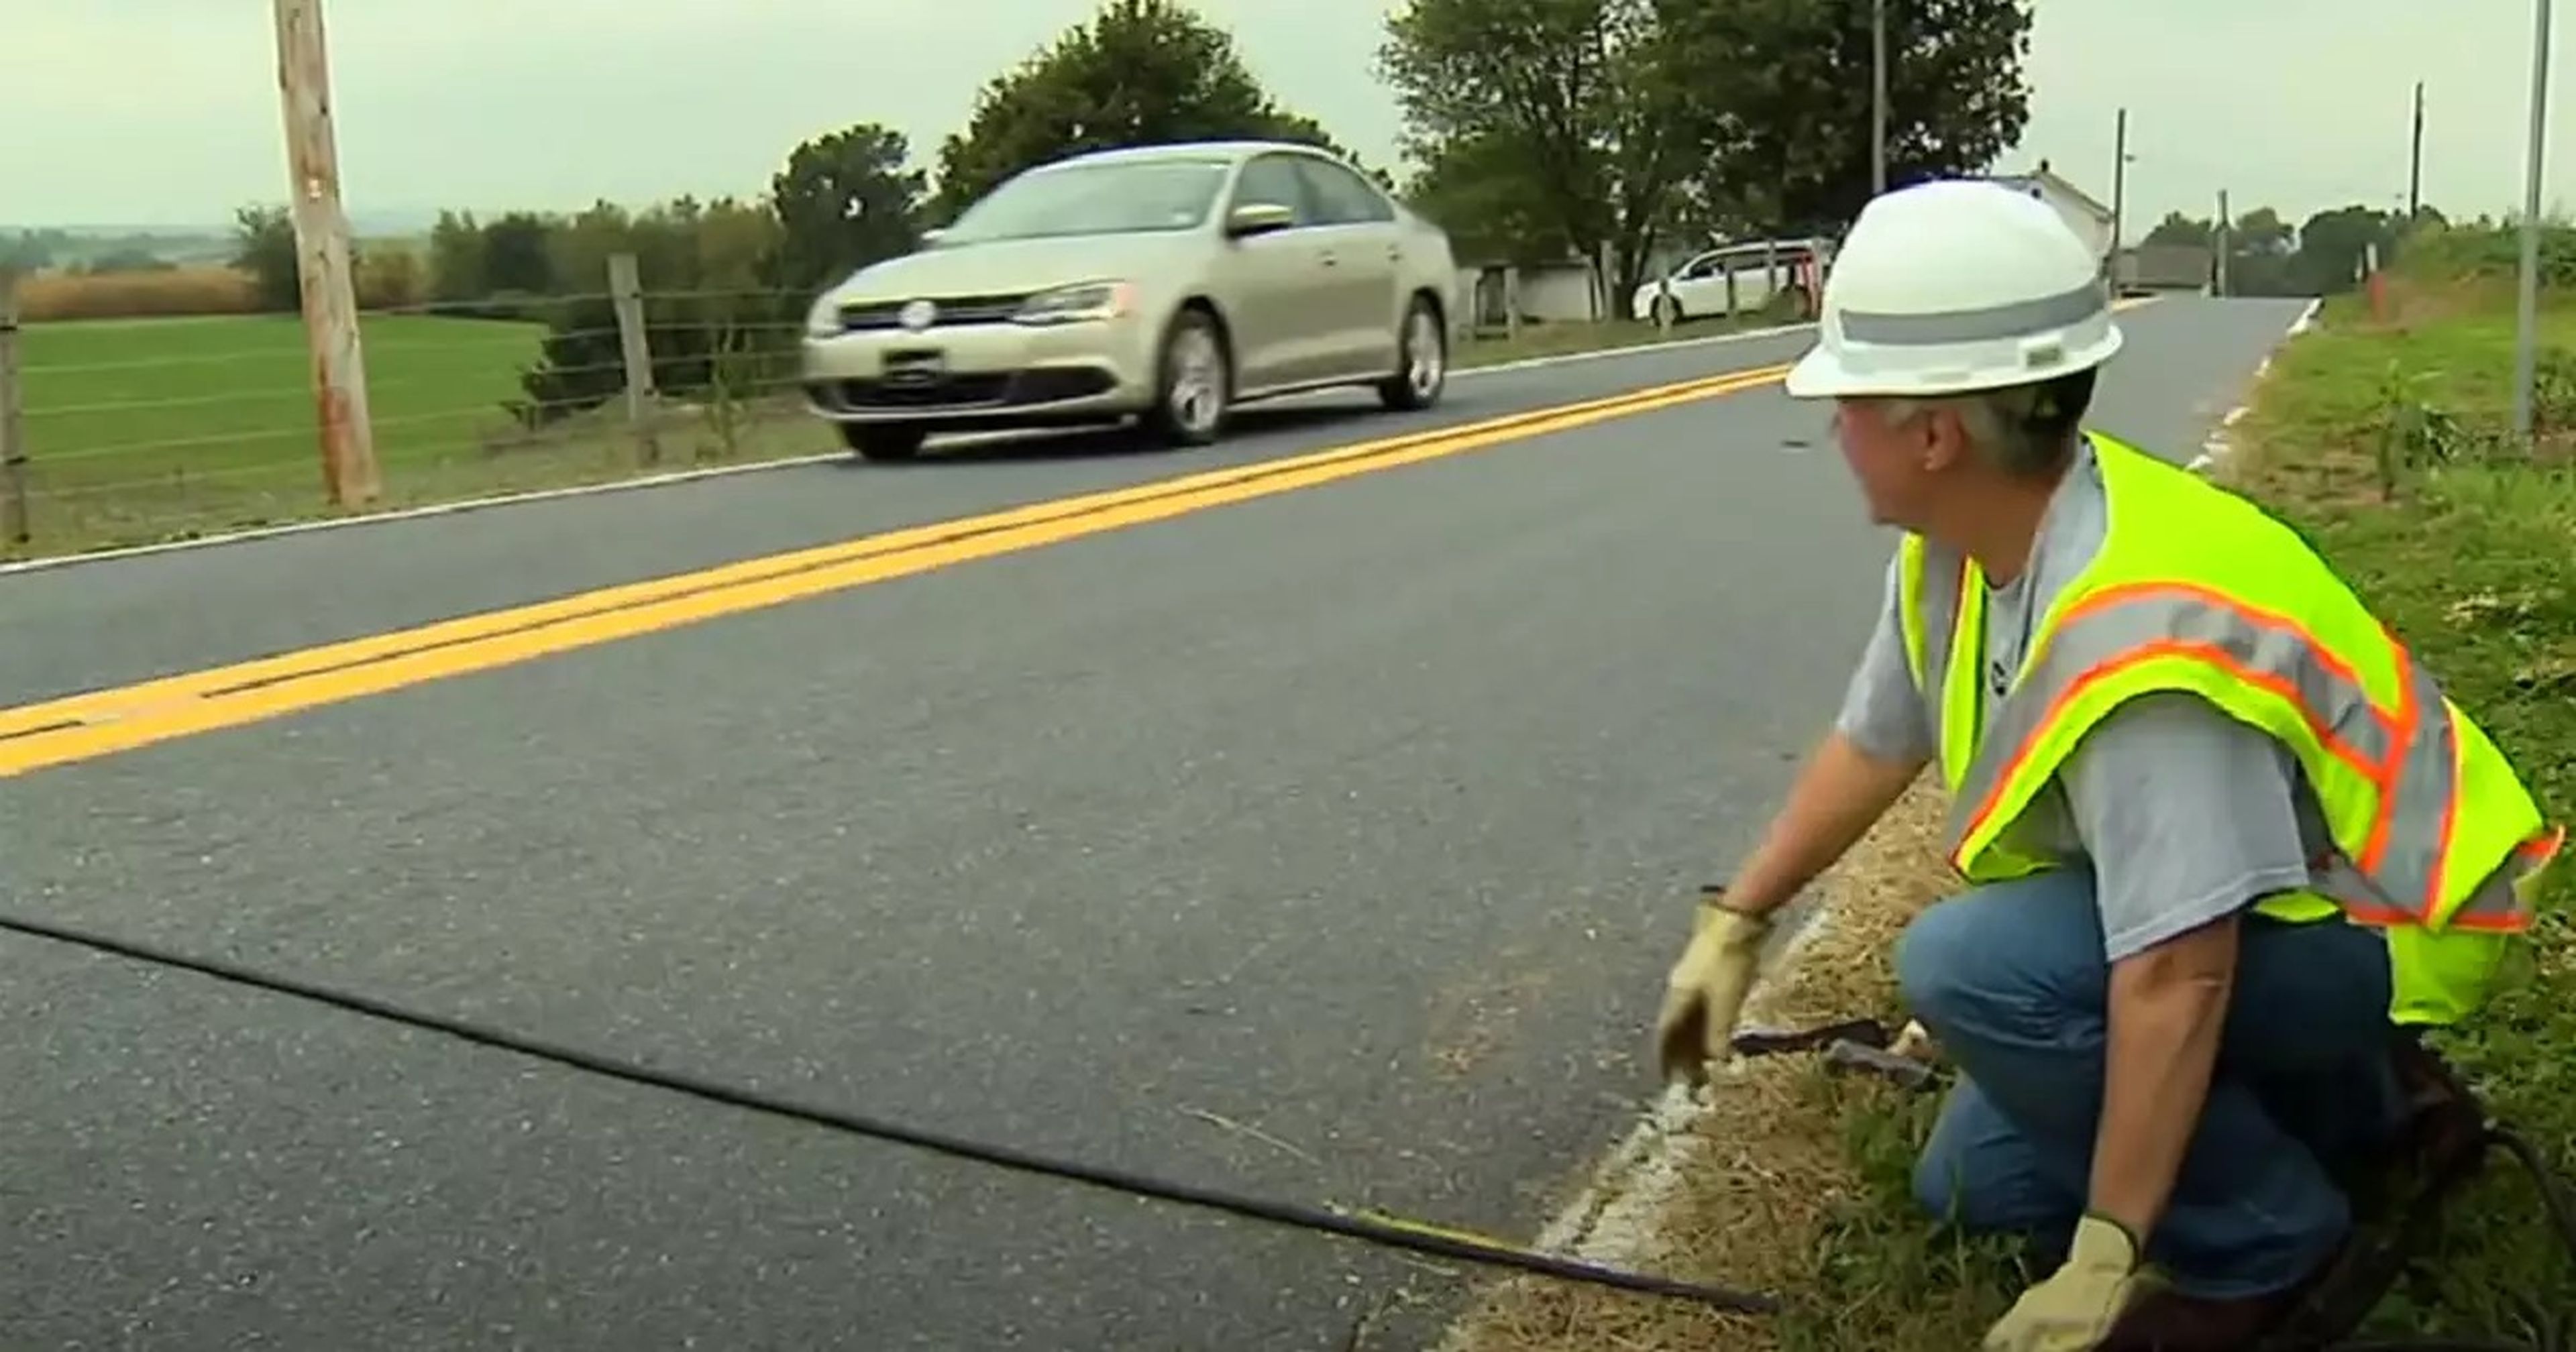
x: 2195, y: 589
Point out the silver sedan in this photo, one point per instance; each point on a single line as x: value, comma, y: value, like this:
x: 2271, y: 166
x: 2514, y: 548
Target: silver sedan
x: 1168, y: 283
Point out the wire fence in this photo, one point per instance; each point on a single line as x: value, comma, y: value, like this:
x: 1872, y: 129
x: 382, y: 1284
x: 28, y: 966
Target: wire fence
x: 120, y: 431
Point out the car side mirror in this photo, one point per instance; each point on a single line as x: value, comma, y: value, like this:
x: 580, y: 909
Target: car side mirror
x: 1258, y: 218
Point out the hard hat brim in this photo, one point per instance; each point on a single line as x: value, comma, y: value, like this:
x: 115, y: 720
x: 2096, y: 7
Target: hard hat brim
x: 1821, y: 374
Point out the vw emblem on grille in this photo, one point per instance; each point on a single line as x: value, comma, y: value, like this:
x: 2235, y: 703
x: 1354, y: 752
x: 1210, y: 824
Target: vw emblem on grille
x: 917, y: 315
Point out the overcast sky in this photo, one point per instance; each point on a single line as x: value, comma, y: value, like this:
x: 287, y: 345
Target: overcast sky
x: 165, y: 111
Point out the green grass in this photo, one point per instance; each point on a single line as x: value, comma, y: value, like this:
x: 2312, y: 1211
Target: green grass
x: 142, y: 430
x: 2470, y: 554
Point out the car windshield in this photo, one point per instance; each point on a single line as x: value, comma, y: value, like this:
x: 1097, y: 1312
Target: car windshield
x: 1095, y: 199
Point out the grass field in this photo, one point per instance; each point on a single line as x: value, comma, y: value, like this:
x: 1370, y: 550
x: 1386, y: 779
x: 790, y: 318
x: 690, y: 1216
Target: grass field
x: 151, y: 429
x: 154, y: 429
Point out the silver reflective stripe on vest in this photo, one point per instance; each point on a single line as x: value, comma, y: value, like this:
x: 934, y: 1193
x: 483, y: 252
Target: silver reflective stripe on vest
x: 2019, y: 319
x: 1944, y: 573
x: 2417, y: 808
x: 2426, y: 783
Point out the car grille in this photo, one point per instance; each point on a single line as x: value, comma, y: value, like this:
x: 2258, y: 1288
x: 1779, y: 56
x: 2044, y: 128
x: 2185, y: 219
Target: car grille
x: 979, y: 389
x: 952, y: 310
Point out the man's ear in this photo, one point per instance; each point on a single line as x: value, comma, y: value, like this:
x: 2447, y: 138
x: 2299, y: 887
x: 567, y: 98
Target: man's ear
x: 1942, y: 438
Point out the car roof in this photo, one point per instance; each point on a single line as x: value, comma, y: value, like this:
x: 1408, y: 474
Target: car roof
x: 1189, y: 150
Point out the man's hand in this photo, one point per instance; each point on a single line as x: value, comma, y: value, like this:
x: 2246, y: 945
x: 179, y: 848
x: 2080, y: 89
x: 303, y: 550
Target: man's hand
x: 1705, y: 993
x: 2075, y: 1309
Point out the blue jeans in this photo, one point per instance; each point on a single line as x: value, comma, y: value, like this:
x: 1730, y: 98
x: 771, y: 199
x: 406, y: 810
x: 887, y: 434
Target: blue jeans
x: 2011, y: 978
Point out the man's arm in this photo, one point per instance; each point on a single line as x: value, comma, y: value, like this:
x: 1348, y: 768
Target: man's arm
x: 1881, y: 740
x: 2168, y: 1005
x: 1841, y: 792
x: 2188, y: 817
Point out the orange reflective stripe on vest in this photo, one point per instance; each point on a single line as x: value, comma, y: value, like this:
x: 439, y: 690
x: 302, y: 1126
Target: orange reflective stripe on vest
x: 2406, y: 754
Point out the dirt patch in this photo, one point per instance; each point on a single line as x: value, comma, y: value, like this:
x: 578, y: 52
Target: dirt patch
x: 1736, y: 1192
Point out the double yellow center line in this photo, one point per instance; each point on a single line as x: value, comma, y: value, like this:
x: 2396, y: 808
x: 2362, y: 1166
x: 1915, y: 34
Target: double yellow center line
x: 98, y: 723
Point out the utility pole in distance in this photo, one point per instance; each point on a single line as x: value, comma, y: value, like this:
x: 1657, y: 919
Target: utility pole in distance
x: 322, y: 256
x: 2526, y: 344
x: 2119, y: 190
x: 2225, y: 239
x: 1877, y: 97
x: 2415, y: 161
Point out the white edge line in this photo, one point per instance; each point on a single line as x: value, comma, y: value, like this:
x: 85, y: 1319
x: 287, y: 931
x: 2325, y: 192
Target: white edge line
x: 1619, y: 1217
x: 2220, y: 444
x: 686, y: 476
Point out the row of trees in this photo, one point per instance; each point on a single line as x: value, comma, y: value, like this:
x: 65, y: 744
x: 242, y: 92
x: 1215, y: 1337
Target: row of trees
x: 2323, y: 257
x: 1537, y: 130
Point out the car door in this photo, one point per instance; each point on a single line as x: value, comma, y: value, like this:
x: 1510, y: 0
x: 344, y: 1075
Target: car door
x: 1363, y: 255
x: 1700, y: 287
x: 1270, y: 283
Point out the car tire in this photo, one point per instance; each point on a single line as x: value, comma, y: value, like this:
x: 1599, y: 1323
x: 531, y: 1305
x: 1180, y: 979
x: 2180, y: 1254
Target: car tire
x: 1421, y: 360
x: 883, y: 442
x: 1668, y: 312
x: 1193, y: 382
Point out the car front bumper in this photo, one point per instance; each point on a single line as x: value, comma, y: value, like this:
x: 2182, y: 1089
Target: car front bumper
x: 981, y: 375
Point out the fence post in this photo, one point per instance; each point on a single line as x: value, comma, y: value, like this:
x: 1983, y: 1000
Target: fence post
x: 13, y: 441
x: 635, y: 349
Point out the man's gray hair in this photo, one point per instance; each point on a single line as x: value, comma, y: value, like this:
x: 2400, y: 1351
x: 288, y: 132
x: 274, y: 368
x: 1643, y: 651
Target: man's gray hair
x: 2026, y: 431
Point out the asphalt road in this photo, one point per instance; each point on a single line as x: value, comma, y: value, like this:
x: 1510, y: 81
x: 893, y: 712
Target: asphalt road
x: 1329, y: 846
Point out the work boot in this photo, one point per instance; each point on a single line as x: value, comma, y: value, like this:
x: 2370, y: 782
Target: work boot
x: 2166, y: 1320
x: 2439, y: 1142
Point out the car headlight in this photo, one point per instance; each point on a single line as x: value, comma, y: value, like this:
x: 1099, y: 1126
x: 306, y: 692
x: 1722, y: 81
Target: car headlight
x: 824, y: 320
x: 1089, y: 302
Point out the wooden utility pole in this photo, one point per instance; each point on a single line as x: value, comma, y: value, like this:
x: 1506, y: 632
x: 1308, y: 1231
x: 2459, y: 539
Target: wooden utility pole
x: 2415, y: 160
x: 2119, y: 185
x: 2526, y: 343
x: 1878, y: 97
x: 2226, y: 240
x: 322, y: 256
x: 13, y: 442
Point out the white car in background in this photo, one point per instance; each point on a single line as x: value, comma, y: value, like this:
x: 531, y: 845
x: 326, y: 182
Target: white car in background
x: 1759, y: 269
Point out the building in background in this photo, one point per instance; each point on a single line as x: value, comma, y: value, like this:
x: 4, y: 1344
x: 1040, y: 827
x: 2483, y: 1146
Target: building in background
x: 2091, y: 220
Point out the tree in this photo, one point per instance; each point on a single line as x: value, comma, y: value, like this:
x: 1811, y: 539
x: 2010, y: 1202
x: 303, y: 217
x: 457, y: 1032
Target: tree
x: 2263, y: 231
x: 456, y: 258
x: 264, y: 247
x: 2332, y: 245
x: 844, y: 201
x: 516, y: 261
x: 1140, y: 72
x: 1793, y: 105
x: 1563, y: 126
x: 2176, y: 228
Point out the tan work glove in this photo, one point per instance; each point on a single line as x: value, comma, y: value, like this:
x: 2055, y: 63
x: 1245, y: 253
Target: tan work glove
x: 1705, y: 992
x: 2074, y: 1310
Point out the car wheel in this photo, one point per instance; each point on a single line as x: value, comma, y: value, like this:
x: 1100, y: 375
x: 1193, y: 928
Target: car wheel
x: 1668, y: 312
x: 879, y: 441
x: 1195, y: 384
x: 1422, y: 360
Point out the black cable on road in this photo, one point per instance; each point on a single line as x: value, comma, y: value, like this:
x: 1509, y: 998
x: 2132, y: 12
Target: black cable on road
x: 1385, y: 1232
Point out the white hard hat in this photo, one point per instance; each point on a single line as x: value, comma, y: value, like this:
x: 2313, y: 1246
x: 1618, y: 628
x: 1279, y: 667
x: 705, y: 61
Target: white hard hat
x: 1956, y: 285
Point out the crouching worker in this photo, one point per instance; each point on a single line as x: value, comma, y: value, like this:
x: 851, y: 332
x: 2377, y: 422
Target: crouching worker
x: 2226, y: 844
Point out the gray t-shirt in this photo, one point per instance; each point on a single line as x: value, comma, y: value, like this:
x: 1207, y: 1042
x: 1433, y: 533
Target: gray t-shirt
x: 2184, y: 814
